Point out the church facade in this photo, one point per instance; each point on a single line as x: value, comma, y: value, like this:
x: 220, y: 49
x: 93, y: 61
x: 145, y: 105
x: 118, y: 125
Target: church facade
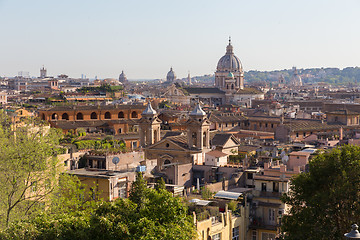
x: 177, y: 153
x: 229, y: 85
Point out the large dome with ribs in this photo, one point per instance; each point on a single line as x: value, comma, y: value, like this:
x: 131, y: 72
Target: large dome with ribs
x: 229, y: 62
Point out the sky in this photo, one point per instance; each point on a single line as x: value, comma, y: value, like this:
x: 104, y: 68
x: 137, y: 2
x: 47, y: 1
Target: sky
x: 147, y: 37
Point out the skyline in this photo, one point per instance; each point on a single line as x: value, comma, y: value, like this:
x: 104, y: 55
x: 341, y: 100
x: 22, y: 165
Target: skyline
x: 145, y: 38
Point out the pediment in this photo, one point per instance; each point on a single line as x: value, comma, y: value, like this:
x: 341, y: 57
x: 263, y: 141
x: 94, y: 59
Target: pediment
x: 162, y: 145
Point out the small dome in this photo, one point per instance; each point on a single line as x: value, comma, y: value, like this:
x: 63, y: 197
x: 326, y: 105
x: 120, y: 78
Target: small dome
x: 149, y: 110
x: 229, y: 62
x: 171, y: 75
x: 122, y: 77
x: 197, y: 111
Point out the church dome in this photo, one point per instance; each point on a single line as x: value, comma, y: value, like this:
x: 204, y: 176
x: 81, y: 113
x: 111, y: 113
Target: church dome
x: 171, y: 75
x: 229, y: 62
x: 197, y: 111
x: 122, y: 77
x: 149, y: 110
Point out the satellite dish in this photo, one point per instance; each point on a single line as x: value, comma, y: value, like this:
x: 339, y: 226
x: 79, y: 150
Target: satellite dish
x: 282, y: 154
x: 285, y: 158
x: 115, y: 160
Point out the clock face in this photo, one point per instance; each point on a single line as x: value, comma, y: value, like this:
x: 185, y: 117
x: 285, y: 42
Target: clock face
x: 115, y: 160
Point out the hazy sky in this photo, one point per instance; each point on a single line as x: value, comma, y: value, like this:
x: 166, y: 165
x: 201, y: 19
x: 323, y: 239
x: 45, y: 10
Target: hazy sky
x: 146, y: 37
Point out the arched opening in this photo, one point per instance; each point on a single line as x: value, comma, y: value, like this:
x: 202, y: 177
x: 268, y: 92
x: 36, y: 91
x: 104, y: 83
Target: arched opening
x: 232, y: 86
x: 121, y: 115
x: 107, y: 115
x: 227, y: 86
x: 204, y: 139
x: 93, y: 115
x: 42, y: 116
x: 65, y: 116
x: 79, y: 116
x: 54, y: 116
x: 155, y: 136
x: 194, y: 138
x: 167, y: 161
x: 134, y: 114
x: 120, y: 131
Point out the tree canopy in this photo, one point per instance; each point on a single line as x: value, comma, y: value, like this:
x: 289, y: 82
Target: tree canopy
x: 146, y: 214
x: 325, y: 200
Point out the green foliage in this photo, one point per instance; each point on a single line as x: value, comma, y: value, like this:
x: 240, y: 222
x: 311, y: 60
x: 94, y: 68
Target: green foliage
x: 206, y: 193
x: 325, y: 201
x: 28, y: 168
x: 102, y: 88
x: 233, y: 206
x: 160, y: 217
x: 113, y: 145
x: 160, y: 184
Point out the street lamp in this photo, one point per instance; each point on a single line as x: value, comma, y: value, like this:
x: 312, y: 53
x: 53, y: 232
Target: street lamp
x: 354, y: 234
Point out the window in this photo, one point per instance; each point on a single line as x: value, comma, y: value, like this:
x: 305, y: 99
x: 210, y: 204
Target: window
x: 120, y: 130
x: 93, y: 115
x: 266, y: 125
x: 134, y: 114
x: 122, y: 189
x: 254, y: 235
x: 134, y: 145
x: 267, y: 236
x: 263, y: 187
x: 272, y: 125
x: 235, y: 233
x: 275, y: 187
x: 249, y: 176
x: 65, y: 116
x: 297, y: 134
x: 216, y: 236
x: 121, y: 115
x: 107, y: 115
x: 272, y: 215
x: 304, y: 134
x: 79, y: 116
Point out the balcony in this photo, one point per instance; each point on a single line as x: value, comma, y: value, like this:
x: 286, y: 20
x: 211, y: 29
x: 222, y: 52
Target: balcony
x: 259, y: 223
x: 264, y: 194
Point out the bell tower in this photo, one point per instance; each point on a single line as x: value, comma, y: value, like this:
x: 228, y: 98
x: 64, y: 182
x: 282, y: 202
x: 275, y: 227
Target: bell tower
x: 198, y: 129
x: 149, y: 127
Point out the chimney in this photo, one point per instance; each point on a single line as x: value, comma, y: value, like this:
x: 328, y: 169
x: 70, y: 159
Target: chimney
x: 266, y: 165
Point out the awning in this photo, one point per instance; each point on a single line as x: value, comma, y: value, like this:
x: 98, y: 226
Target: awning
x: 228, y: 195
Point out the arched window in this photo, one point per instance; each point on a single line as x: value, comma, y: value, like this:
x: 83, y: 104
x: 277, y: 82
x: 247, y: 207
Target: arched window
x: 54, y: 116
x: 227, y: 86
x: 204, y: 140
x: 65, y: 116
x: 120, y: 130
x: 107, y: 115
x: 155, y: 136
x: 194, y: 138
x: 79, y: 116
x: 134, y: 114
x: 167, y: 161
x: 93, y: 115
x: 121, y: 115
x: 232, y: 86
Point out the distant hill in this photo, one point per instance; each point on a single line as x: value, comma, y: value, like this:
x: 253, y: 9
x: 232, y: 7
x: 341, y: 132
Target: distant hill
x: 309, y: 75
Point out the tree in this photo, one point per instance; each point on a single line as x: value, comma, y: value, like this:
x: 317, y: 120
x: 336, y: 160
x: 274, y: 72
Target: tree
x: 325, y: 200
x: 160, y: 217
x: 138, y: 191
x: 28, y: 167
